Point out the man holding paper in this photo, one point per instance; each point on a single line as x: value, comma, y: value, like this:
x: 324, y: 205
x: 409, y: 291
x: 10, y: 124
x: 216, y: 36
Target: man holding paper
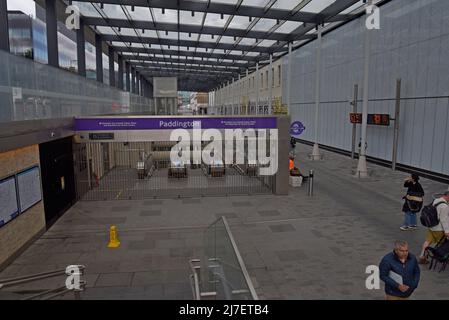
x: 400, y: 272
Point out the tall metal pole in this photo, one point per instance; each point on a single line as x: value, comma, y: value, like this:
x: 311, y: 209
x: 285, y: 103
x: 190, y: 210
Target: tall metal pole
x: 257, y: 87
x: 289, y: 77
x: 362, y: 169
x: 99, y: 57
x: 4, y: 30
x: 316, y: 150
x: 120, y: 72
x: 354, y: 125
x: 81, y: 49
x: 111, y: 55
x: 239, y: 96
x: 247, y: 91
x: 128, y: 76
x: 270, y: 85
x: 396, y: 124
x: 52, y: 32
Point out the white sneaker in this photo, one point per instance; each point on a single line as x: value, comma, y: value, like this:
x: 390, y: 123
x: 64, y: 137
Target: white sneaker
x: 405, y: 228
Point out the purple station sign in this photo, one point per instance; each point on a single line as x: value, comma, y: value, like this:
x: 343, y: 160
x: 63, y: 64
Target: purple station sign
x: 102, y: 124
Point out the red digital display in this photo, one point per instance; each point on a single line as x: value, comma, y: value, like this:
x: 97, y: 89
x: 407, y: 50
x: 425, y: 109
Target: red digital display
x: 373, y: 119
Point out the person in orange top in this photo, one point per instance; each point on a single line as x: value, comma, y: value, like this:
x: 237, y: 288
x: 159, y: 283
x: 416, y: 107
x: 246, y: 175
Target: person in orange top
x: 291, y: 164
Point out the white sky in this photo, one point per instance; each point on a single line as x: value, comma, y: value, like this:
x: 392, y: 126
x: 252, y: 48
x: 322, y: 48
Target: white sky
x: 26, y: 6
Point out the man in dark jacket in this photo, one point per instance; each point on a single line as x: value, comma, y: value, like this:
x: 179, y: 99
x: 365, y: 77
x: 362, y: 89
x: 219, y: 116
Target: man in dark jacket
x: 400, y: 272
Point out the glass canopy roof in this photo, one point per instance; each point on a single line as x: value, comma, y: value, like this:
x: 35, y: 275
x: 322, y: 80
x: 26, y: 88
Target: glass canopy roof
x: 235, y: 34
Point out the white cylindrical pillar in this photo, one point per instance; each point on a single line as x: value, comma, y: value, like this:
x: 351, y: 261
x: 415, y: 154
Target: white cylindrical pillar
x: 257, y: 87
x: 362, y: 168
x: 316, y: 151
x: 289, y: 77
x: 270, y: 85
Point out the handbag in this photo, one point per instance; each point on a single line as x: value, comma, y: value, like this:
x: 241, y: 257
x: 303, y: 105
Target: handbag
x: 414, y: 203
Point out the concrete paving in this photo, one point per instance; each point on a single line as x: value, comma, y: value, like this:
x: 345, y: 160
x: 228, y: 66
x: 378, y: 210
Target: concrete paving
x: 294, y: 247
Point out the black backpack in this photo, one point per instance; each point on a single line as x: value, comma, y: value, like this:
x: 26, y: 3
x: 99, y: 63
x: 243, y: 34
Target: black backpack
x: 439, y: 254
x: 429, y: 215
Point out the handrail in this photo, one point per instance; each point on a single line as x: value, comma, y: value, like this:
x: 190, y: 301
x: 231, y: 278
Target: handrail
x: 240, y: 260
x: 30, y: 278
x: 45, y: 275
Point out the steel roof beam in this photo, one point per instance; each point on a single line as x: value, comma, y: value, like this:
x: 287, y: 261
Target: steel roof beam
x: 234, y: 65
x: 188, y: 43
x: 190, y: 53
x: 187, y: 28
x: 228, y: 9
x: 212, y: 70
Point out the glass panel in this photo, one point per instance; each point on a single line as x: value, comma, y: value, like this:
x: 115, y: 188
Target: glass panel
x: 169, y: 16
x: 186, y: 17
x: 113, y: 11
x: 139, y: 13
x: 214, y: 20
x: 316, y: 6
x: 247, y: 41
x: 255, y: 3
x: 225, y: 1
x: 221, y: 271
x: 264, y: 25
x: 47, y: 92
x: 287, y: 4
x: 288, y: 26
x: 208, y: 38
x: 267, y: 43
x: 87, y: 9
x: 227, y: 40
x: 239, y: 22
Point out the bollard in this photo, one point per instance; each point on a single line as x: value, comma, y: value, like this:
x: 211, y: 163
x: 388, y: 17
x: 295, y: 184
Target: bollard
x: 113, y: 238
x: 311, y: 183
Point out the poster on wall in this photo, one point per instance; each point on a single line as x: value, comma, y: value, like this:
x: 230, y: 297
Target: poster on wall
x: 9, y: 208
x: 29, y: 183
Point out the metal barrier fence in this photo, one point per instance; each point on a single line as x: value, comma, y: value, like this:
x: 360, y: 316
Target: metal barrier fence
x: 143, y: 170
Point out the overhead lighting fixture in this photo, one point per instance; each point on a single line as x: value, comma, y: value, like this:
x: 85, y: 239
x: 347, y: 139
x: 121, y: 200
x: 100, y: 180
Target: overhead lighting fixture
x: 132, y: 8
x: 168, y: 47
x: 277, y: 21
x: 250, y: 19
x: 190, y: 35
x: 235, y: 38
x: 143, y: 31
x: 193, y: 13
x: 163, y: 10
x: 102, y: 6
x: 119, y: 29
x: 206, y: 49
x: 222, y: 16
x: 166, y: 32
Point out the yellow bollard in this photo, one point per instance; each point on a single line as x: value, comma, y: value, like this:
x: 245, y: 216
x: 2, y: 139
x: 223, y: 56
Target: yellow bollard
x: 113, y: 239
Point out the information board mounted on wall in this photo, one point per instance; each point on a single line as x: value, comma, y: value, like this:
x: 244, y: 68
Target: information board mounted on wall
x: 19, y: 193
x: 376, y: 119
x: 9, y: 206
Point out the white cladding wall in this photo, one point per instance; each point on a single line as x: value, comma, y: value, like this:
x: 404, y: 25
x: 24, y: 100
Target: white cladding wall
x: 246, y: 88
x: 412, y: 44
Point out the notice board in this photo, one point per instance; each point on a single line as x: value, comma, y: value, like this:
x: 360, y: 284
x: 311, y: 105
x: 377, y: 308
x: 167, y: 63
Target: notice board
x: 29, y: 183
x: 9, y: 208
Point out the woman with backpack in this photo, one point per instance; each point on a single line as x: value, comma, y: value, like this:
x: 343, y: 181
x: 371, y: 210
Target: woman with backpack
x: 413, y: 201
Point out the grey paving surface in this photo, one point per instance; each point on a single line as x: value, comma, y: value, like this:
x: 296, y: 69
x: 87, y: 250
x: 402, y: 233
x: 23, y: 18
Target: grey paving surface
x: 295, y: 247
